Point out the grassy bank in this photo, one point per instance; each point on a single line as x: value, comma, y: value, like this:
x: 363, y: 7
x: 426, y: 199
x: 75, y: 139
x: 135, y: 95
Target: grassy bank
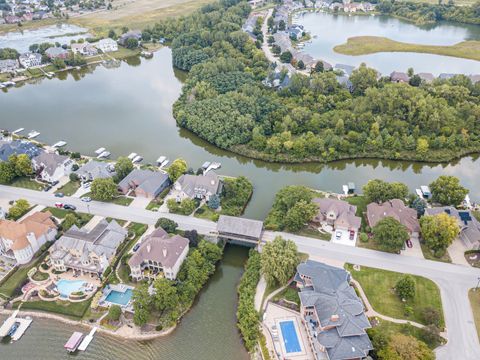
x: 379, y: 288
x: 10, y: 284
x: 72, y: 310
x: 362, y: 45
x: 474, y: 296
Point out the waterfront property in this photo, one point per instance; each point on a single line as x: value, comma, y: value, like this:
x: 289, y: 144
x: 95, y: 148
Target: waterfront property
x: 96, y: 170
x: 160, y: 254
x: 144, y: 183
x: 50, y: 166
x: 332, y: 312
x: 469, y: 225
x: 29, y: 59
x: 117, y: 294
x: 198, y: 186
x: 17, y: 147
x: 240, y: 230
x: 87, y: 251
x: 132, y: 34
x: 8, y: 65
x: 56, y: 53
x: 394, y: 208
x: 84, y: 49
x: 66, y: 287
x: 21, y: 240
x: 106, y: 45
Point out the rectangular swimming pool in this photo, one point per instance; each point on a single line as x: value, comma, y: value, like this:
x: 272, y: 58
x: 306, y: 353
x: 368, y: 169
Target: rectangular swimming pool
x: 120, y: 298
x: 290, y: 336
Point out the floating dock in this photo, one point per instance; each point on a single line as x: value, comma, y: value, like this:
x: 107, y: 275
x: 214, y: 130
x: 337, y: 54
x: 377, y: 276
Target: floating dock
x: 18, y: 131
x: 100, y: 150
x: 74, y: 342
x: 137, y: 159
x: 21, y: 325
x: 33, y: 134
x: 87, y: 340
x: 164, y: 163
x: 161, y: 159
x: 213, y: 166
x: 132, y: 156
x: 59, y: 144
x: 104, y: 155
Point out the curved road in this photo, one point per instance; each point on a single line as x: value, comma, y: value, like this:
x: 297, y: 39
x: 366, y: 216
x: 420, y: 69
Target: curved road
x: 453, y: 280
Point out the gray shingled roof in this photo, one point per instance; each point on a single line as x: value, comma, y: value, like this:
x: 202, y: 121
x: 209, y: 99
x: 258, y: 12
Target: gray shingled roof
x: 96, y: 170
x: 8, y: 148
x: 239, y: 226
x: 49, y: 161
x: 208, y: 183
x: 147, y: 180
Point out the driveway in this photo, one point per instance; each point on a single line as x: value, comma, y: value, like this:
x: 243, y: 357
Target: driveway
x: 140, y: 202
x: 344, y: 238
x: 415, y: 250
x: 457, y: 251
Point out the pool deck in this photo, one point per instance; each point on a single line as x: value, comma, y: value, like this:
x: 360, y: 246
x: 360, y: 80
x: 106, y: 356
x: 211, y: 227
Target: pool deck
x: 274, y: 314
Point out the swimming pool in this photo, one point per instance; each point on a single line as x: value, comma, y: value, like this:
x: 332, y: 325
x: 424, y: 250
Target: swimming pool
x: 118, y: 297
x: 66, y: 287
x: 290, y: 337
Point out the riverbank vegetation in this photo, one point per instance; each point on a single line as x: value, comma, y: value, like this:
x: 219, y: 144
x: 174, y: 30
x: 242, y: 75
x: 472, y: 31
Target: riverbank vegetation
x: 314, y: 118
x: 170, y: 300
x: 362, y: 45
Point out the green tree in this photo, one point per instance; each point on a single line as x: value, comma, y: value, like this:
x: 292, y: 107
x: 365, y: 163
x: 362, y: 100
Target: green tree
x: 419, y: 205
x: 439, y: 231
x: 362, y: 79
x: 131, y: 43
x: 281, y: 25
x: 112, y: 34
x: 214, y: 202
x: 380, y: 191
x: 141, y: 305
x: 69, y: 220
x: 103, y: 189
x: 279, y: 259
x: 300, y: 214
x: 23, y: 165
x: 177, y: 169
x: 7, y: 172
x: 405, y: 287
x: 185, y: 207
x: 447, y: 190
x: 165, y: 297
x: 422, y: 147
x: 168, y: 225
x: 319, y: 67
x: 301, y: 65
x: 123, y: 167
x: 59, y: 63
x: 390, y: 234
x: 114, y: 313
x: 286, y: 57
x: 18, y: 209
x: 405, y: 347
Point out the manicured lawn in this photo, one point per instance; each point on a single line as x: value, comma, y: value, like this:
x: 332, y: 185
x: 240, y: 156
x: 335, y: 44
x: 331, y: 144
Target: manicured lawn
x: 67, y: 308
x: 379, y: 287
x: 69, y: 188
x: 361, y: 45
x: 428, y: 254
x: 123, y: 269
x: 9, y: 285
x: 119, y: 200
x: 40, y: 276
x: 119, y: 221
x: 476, y: 214
x: 314, y: 233
x: 27, y: 183
x: 58, y: 213
x: 288, y: 294
x: 61, y: 213
x: 474, y: 296
x: 204, y: 212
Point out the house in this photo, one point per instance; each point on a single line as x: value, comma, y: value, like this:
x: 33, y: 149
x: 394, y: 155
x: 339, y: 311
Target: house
x: 240, y: 230
x: 28, y: 60
x: 17, y: 147
x: 469, y: 225
x: 394, y: 208
x: 106, y: 45
x: 8, y: 65
x: 133, y: 34
x: 332, y: 312
x: 199, y: 186
x: 96, y: 170
x: 87, y: 251
x: 21, y: 240
x: 446, y: 76
x: 145, y: 183
x: 339, y: 214
x: 427, y: 77
x: 345, y: 69
x: 52, y: 167
x: 474, y: 78
x: 56, y: 53
x: 160, y: 254
x: 399, y: 77
x: 12, y: 19
x: 345, y: 81
x: 282, y: 40
x: 295, y: 32
x: 85, y: 49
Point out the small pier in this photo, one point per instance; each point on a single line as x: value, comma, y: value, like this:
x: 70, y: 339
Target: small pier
x: 15, y: 327
x: 19, y: 130
x: 105, y: 154
x: 59, y: 144
x: 100, y: 150
x: 132, y: 156
x: 33, y: 134
x: 87, y: 340
x: 74, y: 342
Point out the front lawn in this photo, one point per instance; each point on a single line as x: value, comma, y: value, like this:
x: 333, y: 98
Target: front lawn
x: 27, y: 183
x: 72, y: 310
x: 40, y: 276
x: 118, y: 200
x: 379, y: 285
x: 82, y: 218
x: 69, y: 188
x: 428, y: 254
x: 204, y: 212
x: 474, y: 296
x: 314, y: 233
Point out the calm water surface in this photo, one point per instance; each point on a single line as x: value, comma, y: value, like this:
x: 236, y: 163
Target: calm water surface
x: 129, y: 109
x: 207, y: 332
x: 331, y: 30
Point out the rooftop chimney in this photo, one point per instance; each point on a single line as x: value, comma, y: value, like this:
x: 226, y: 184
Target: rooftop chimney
x: 164, y: 251
x: 334, y: 317
x: 149, y: 247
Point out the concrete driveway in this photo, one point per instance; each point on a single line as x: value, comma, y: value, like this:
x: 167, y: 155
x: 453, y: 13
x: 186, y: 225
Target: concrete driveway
x: 344, y: 238
x: 457, y: 251
x: 415, y: 250
x: 140, y: 202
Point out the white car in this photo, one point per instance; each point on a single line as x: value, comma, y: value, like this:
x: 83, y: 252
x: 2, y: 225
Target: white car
x: 86, y: 185
x: 86, y: 199
x: 338, y: 235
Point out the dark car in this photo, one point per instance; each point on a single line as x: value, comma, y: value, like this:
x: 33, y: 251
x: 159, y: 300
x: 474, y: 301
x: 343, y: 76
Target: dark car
x: 135, y: 248
x: 59, y: 194
x: 54, y: 182
x: 69, y: 207
x: 47, y: 187
x: 409, y: 243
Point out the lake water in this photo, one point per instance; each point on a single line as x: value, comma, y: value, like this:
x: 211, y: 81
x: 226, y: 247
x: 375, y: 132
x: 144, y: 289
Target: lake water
x: 62, y: 33
x: 207, y: 332
x: 330, y: 30
x: 129, y: 109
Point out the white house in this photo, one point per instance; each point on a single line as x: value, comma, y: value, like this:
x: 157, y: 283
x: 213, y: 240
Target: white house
x: 51, y: 166
x: 159, y: 255
x: 85, y: 49
x: 106, y: 45
x: 28, y: 60
x: 21, y: 240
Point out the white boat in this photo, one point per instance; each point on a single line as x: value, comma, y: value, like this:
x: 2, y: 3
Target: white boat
x: 100, y: 150
x: 87, y: 340
x: 137, y: 159
x: 8, y: 83
x: 33, y: 134
x: 161, y: 159
x: 215, y: 165
x: 59, y: 144
x: 132, y: 156
x: 19, y: 130
x: 1, y: 86
x: 345, y: 189
x: 104, y: 155
x: 164, y: 163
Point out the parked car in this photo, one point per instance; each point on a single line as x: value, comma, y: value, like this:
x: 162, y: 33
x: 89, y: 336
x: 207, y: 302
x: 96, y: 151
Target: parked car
x: 409, y: 243
x: 47, y: 187
x: 69, y: 207
x: 338, y: 235
x: 54, y: 182
x: 59, y: 205
x: 86, y: 185
x: 59, y: 194
x: 135, y: 248
x: 86, y: 199
x: 352, y: 234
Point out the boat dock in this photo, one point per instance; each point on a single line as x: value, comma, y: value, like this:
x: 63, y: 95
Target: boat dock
x: 59, y: 144
x: 87, y: 340
x: 74, y: 342
x: 33, y: 134
x: 212, y: 166
x: 15, y: 327
x: 100, y: 150
x: 132, y: 156
x: 18, y: 131
x: 104, y: 155
x: 137, y: 159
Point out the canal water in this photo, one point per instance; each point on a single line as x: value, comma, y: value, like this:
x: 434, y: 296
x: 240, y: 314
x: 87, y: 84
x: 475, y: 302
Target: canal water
x: 129, y: 109
x: 207, y: 332
x: 330, y: 30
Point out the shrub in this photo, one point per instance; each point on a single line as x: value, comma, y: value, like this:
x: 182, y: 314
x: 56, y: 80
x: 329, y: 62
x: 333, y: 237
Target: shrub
x: 114, y: 313
x: 363, y: 237
x: 166, y: 224
x: 405, y: 287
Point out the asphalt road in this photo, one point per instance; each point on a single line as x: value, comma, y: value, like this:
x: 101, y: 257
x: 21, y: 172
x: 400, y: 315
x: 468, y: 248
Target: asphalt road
x: 454, y: 281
